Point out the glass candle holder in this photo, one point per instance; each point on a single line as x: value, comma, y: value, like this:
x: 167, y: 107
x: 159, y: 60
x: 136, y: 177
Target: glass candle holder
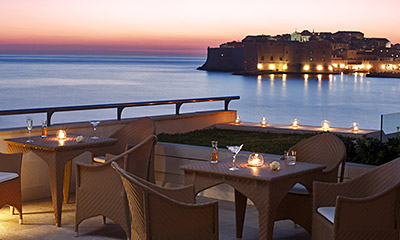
x: 255, y: 160
x: 325, y: 125
x: 238, y: 120
x: 355, y: 127
x: 61, y: 134
x: 295, y: 124
x: 264, y: 121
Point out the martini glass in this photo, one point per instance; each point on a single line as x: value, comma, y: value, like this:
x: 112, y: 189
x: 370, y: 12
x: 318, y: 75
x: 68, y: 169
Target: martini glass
x: 94, y: 123
x: 29, y: 125
x: 234, y: 150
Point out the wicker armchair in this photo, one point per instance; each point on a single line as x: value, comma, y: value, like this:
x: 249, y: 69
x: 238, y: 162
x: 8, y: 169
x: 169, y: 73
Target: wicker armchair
x: 161, y: 213
x: 365, y: 207
x: 99, y: 189
x: 131, y: 134
x: 325, y: 149
x: 10, y: 181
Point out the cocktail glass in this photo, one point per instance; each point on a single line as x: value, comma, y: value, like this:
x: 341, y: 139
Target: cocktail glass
x: 94, y: 123
x: 234, y: 150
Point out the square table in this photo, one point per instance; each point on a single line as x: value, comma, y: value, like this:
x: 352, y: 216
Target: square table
x: 56, y: 153
x: 264, y: 187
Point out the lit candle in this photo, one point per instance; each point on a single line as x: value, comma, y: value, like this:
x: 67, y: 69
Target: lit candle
x: 264, y: 121
x: 61, y: 134
x: 325, y: 125
x: 295, y: 123
x: 355, y: 127
x: 238, y: 120
x: 255, y: 160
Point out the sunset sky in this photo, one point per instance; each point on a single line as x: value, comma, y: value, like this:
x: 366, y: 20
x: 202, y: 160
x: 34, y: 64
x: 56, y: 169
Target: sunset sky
x: 177, y: 27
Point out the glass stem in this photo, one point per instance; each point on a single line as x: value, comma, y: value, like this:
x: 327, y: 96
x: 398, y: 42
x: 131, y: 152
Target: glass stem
x: 234, y: 161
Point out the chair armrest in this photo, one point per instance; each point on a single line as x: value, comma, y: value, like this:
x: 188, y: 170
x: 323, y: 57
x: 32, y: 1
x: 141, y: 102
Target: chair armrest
x: 324, y: 193
x: 175, y: 220
x: 379, y: 211
x: 336, y: 166
x: 183, y: 194
x: 88, y: 174
x: 10, y: 162
x: 131, y: 149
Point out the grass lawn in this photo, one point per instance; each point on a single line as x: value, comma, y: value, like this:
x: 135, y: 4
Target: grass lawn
x: 263, y: 142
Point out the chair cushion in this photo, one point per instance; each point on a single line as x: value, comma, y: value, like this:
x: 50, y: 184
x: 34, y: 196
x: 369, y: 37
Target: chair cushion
x: 7, y: 176
x: 99, y: 159
x: 299, y: 189
x: 328, y: 213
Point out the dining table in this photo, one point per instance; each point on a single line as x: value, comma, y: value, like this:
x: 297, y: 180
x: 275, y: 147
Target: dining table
x: 57, y: 153
x: 263, y: 186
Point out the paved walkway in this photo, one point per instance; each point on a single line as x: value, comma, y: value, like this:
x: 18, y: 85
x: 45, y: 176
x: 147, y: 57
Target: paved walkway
x: 39, y: 224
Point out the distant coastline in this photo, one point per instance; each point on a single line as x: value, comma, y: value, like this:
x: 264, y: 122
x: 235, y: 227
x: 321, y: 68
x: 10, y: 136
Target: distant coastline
x: 306, y: 53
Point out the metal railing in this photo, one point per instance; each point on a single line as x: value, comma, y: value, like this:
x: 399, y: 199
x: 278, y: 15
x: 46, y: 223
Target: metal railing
x: 119, y: 106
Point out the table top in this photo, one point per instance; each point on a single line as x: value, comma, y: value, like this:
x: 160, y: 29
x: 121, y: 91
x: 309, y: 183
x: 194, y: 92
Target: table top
x: 259, y: 173
x: 51, y: 143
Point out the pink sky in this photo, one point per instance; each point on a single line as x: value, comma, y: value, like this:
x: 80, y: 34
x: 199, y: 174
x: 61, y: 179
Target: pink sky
x: 181, y: 27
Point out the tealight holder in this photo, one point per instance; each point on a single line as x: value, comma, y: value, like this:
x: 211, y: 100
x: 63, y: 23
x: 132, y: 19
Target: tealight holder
x: 325, y: 125
x: 238, y: 120
x: 264, y: 121
x: 255, y: 160
x: 295, y: 124
x: 355, y: 127
x: 61, y: 134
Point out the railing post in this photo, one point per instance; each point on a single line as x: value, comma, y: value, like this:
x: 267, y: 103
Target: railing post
x: 381, y: 127
x: 119, y: 112
x: 227, y: 101
x: 49, y: 114
x: 177, y: 107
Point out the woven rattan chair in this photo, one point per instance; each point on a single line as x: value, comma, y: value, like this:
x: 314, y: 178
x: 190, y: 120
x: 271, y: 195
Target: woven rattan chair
x: 325, y: 149
x: 161, y: 213
x: 99, y: 189
x: 132, y: 134
x: 363, y: 208
x: 10, y: 181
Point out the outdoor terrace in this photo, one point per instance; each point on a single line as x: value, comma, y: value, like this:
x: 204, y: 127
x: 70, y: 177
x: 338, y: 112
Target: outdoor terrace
x: 37, y: 207
x: 39, y: 224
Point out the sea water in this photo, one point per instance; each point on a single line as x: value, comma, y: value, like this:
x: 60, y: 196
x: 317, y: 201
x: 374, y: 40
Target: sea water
x: 51, y: 81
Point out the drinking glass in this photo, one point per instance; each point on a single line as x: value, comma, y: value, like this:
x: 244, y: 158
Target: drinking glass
x: 234, y: 150
x: 290, y: 158
x: 94, y: 123
x: 29, y: 125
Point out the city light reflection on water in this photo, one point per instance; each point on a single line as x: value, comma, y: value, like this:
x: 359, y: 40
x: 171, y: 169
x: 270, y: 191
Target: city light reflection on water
x: 47, y: 81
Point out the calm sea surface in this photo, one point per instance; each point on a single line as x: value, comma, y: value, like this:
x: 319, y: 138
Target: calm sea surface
x: 47, y: 81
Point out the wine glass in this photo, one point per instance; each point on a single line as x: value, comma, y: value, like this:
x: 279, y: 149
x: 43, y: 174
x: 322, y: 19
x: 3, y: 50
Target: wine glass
x: 234, y: 150
x: 29, y: 125
x: 95, y: 123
